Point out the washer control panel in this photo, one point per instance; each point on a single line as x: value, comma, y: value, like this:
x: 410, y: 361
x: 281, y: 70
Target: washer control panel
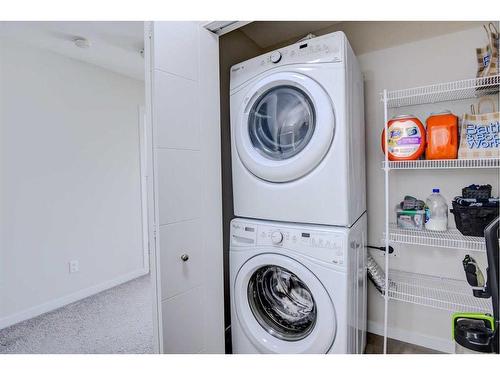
x: 325, y: 245
x: 277, y: 237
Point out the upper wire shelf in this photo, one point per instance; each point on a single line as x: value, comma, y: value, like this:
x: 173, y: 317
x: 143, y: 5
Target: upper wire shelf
x: 451, y: 239
x: 443, y: 164
x: 441, y: 92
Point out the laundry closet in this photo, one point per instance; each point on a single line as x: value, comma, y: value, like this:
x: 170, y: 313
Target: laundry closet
x: 391, y: 56
x: 415, y: 69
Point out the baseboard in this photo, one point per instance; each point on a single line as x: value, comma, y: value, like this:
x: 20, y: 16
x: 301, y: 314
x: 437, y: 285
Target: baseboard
x: 431, y: 342
x: 57, y: 303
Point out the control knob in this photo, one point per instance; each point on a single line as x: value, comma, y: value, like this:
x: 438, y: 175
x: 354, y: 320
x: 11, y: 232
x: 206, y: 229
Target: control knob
x: 277, y: 237
x: 275, y: 57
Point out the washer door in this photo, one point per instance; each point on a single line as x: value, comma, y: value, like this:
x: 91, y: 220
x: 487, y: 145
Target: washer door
x: 283, y: 307
x: 286, y: 127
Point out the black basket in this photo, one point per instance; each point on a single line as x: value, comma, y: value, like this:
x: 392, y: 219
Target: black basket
x: 472, y: 220
x: 477, y: 191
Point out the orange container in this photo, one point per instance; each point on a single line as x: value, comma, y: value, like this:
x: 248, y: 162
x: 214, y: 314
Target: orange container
x: 406, y: 138
x: 442, y: 136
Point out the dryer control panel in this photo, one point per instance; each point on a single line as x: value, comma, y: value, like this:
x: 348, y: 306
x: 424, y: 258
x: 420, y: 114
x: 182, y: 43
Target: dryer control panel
x: 324, y: 49
x: 316, y: 241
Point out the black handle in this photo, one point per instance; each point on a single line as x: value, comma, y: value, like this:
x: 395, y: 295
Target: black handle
x: 381, y: 248
x: 492, y: 250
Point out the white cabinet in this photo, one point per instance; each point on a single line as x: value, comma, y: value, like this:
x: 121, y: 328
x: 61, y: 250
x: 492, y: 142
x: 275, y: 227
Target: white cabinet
x: 180, y: 109
x: 188, y: 202
x: 182, y: 256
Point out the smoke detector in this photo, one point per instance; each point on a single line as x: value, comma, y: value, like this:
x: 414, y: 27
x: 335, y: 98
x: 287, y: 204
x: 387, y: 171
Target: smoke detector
x: 81, y: 42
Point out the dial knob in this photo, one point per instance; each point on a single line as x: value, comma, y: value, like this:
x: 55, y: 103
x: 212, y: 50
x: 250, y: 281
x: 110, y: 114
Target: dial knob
x: 275, y: 57
x: 277, y: 237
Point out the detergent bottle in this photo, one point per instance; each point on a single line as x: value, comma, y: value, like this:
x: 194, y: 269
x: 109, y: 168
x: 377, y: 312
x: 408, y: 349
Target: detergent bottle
x: 442, y: 136
x: 406, y: 138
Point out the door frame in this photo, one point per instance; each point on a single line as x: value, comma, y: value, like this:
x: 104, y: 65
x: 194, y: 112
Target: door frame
x: 152, y: 191
x: 144, y: 140
x: 224, y: 27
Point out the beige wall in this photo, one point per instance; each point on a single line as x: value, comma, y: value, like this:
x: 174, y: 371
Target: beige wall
x: 364, y: 36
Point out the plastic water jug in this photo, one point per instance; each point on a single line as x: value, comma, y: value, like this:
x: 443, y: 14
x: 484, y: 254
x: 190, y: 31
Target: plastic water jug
x: 436, y: 212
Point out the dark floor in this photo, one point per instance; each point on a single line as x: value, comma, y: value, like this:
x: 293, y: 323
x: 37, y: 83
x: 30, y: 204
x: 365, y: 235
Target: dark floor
x: 375, y: 345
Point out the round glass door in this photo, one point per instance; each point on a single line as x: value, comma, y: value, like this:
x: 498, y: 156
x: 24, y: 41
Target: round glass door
x: 281, y: 122
x: 281, y: 303
x: 283, y: 127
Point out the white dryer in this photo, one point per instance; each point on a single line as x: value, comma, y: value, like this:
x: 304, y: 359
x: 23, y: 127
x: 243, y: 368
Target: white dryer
x: 297, y: 288
x: 297, y: 129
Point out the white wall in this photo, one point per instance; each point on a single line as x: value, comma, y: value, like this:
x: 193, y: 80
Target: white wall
x: 69, y: 178
x: 439, y: 59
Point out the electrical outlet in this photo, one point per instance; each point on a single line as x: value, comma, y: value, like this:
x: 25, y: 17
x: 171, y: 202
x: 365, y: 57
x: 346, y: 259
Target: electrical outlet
x: 74, y: 266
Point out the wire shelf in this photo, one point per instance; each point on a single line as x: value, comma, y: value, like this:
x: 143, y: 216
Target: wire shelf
x: 451, y: 239
x: 443, y: 164
x: 441, y: 92
x: 437, y: 292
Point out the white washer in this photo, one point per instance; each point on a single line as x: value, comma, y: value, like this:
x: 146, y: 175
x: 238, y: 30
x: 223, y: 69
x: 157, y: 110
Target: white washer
x: 297, y: 288
x: 297, y: 129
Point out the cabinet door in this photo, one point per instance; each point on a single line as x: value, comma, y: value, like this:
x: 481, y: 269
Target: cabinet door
x: 186, y: 145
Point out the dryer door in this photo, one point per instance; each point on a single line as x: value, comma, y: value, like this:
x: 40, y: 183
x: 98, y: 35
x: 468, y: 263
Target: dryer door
x: 286, y: 126
x: 283, y: 307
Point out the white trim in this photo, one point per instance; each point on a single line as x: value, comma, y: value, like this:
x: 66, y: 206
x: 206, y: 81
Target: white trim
x: 152, y: 192
x: 143, y: 149
x: 431, y: 342
x: 57, y: 303
x: 224, y: 27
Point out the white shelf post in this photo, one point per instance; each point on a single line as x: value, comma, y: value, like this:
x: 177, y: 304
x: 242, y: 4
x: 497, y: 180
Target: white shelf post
x: 386, y: 171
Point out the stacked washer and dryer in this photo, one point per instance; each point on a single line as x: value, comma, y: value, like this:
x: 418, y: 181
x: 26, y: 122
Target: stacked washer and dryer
x: 298, y: 244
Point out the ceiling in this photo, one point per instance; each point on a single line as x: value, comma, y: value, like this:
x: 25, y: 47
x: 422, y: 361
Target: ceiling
x: 269, y: 33
x: 114, y: 46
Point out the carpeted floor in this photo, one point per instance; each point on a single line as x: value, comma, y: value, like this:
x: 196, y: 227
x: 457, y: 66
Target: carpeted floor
x: 118, y: 320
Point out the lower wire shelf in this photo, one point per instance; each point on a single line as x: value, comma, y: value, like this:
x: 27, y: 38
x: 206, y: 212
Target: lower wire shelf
x: 437, y: 292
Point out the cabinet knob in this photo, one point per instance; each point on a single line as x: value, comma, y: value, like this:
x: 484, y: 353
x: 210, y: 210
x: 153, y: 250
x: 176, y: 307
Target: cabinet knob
x: 184, y: 257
